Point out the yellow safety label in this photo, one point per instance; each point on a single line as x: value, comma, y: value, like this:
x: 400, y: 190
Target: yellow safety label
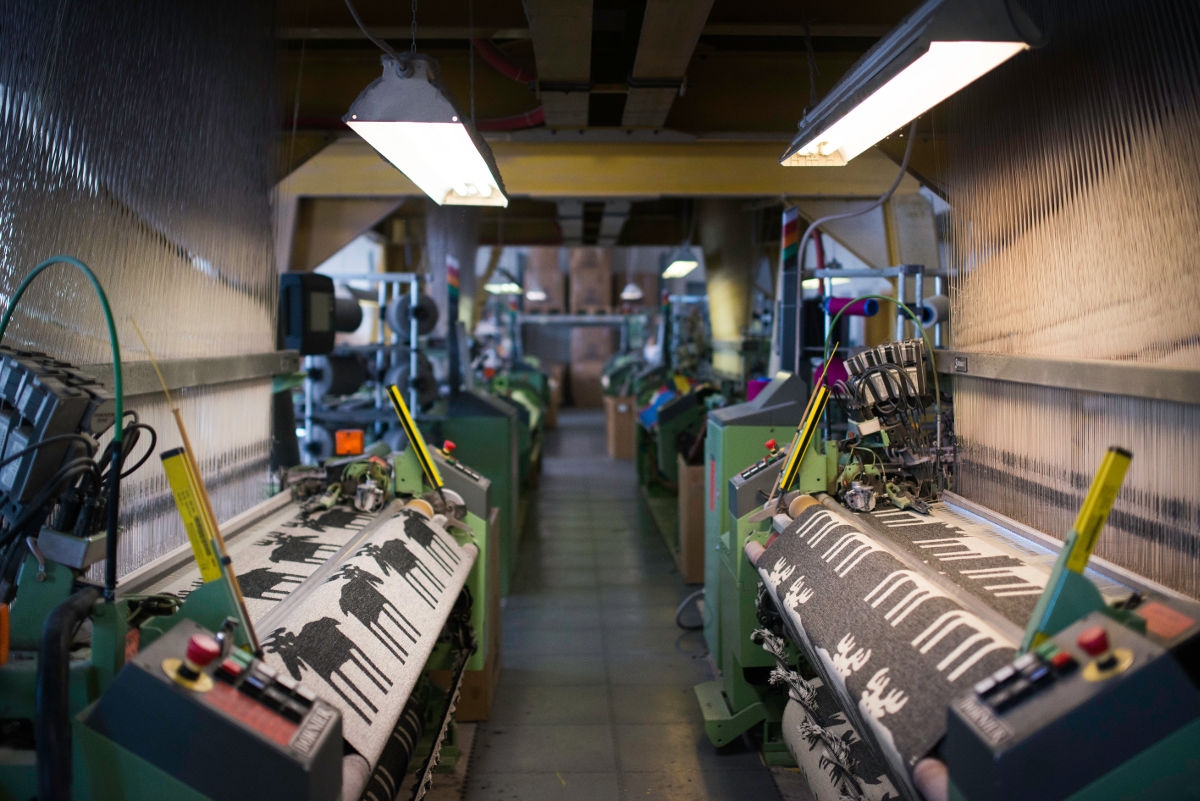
x: 414, y: 436
x: 1097, y: 505
x: 187, y: 500
x: 804, y: 436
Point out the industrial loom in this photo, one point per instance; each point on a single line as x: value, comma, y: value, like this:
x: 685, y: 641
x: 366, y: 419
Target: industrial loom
x: 931, y: 647
x: 286, y: 656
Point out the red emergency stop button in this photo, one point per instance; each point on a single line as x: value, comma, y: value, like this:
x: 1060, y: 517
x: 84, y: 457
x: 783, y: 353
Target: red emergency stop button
x: 1093, y: 640
x: 448, y: 446
x: 771, y: 444
x: 201, y: 650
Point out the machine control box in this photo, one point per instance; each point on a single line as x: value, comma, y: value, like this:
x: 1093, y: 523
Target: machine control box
x: 749, y: 489
x: 42, y: 397
x: 1063, y: 716
x: 229, y: 727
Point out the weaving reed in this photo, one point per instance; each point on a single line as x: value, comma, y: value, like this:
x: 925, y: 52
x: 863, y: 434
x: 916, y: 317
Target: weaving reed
x: 1074, y: 182
x: 139, y: 140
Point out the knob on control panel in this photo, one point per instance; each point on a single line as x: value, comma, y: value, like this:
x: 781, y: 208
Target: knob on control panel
x: 201, y: 651
x: 1093, y: 640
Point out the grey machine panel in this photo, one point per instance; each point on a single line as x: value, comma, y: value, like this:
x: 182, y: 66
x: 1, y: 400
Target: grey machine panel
x: 749, y: 489
x: 1033, y: 730
x: 254, y: 734
x: 774, y: 406
x: 460, y: 478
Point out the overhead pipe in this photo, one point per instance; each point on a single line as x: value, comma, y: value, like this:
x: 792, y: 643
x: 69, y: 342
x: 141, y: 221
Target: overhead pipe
x: 515, y: 122
x: 500, y: 62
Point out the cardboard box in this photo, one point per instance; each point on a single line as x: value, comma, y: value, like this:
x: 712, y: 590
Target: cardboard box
x: 591, y: 343
x: 586, y: 392
x: 691, y: 521
x: 591, y: 280
x: 619, y: 423
x: 543, y: 269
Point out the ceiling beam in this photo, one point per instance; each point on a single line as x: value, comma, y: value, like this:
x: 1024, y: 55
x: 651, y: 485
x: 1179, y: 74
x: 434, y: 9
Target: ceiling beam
x: 562, y: 49
x: 570, y: 221
x: 616, y: 212
x: 399, y: 33
x: 323, y: 226
x: 599, y: 171
x: 670, y: 30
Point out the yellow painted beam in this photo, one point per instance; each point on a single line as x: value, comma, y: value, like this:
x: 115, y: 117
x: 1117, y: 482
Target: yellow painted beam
x: 350, y: 168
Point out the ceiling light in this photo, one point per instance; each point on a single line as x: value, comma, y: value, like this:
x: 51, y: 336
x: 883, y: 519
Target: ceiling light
x: 632, y: 292
x: 937, y: 50
x: 405, y: 115
x: 503, y: 288
x: 535, y: 293
x: 683, y: 261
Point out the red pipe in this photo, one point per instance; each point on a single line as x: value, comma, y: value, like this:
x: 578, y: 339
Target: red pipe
x: 820, y: 249
x: 516, y: 122
x: 492, y: 55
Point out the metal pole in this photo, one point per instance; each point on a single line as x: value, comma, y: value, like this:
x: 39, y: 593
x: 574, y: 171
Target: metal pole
x: 939, y: 285
x: 381, y: 297
x: 414, y: 295
x: 920, y: 300
x: 308, y: 404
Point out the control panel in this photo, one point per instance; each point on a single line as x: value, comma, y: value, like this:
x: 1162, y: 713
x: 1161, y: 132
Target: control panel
x: 472, y: 486
x: 749, y: 489
x: 228, y: 726
x: 42, y: 397
x: 1068, y: 714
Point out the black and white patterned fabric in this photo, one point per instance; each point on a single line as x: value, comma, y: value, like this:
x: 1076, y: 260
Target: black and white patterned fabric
x: 274, y: 556
x: 891, y: 644
x: 367, y: 597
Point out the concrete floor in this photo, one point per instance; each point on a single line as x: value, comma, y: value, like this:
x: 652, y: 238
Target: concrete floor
x: 595, y: 697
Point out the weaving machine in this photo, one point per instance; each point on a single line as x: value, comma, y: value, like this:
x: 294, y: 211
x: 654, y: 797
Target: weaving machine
x: 303, y: 679
x: 937, y: 635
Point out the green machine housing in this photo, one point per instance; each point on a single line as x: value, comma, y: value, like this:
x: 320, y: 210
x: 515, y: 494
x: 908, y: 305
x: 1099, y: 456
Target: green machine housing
x: 735, y: 444
x: 485, y: 430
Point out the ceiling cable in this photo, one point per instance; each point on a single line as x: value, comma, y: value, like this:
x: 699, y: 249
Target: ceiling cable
x: 380, y: 44
x: 471, y: 51
x: 412, y: 48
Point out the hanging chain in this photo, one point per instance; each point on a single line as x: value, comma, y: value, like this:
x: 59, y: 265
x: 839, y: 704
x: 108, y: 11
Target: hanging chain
x: 413, y: 46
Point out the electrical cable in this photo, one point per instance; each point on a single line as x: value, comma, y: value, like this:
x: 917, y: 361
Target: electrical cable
x: 937, y: 389
x: 149, y: 451
x: 378, y: 43
x: 912, y: 134
x: 114, y: 495
x: 52, y: 732
x: 683, y: 605
x: 88, y: 441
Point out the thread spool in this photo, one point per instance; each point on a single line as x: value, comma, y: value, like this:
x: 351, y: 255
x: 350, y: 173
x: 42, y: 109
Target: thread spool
x: 426, y: 383
x: 337, y: 375
x: 397, y: 315
x: 347, y: 314
x: 867, y: 307
x: 935, y: 310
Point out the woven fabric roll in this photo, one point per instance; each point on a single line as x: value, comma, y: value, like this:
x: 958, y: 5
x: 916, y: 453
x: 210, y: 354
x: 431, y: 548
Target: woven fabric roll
x: 891, y: 643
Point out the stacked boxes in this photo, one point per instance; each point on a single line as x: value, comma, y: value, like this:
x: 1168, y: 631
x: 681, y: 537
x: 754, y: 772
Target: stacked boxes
x: 590, y: 348
x: 591, y: 280
x: 542, y: 270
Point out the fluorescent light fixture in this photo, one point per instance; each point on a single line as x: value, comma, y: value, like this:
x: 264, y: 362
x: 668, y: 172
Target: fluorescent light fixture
x: 503, y: 288
x: 535, y: 294
x: 937, y: 50
x: 406, y: 116
x: 683, y: 261
x: 815, y: 283
x: 632, y: 292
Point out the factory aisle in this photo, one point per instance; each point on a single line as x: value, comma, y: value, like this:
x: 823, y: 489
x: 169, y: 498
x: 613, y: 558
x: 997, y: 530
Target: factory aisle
x: 595, y: 698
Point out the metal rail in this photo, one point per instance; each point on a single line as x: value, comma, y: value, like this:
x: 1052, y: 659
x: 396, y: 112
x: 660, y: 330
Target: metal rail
x: 1127, y: 379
